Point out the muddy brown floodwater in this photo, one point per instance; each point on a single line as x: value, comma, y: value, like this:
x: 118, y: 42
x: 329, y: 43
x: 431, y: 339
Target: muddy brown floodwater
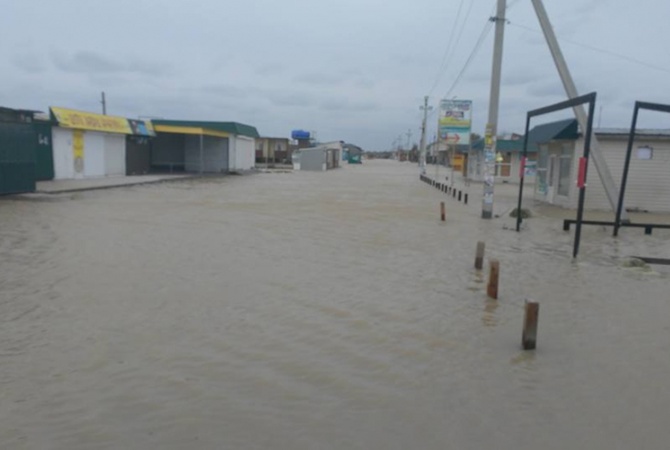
x: 321, y: 311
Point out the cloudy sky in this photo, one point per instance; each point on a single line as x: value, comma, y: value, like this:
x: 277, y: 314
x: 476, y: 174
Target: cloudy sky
x: 354, y: 70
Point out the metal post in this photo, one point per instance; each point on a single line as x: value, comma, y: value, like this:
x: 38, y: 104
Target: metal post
x: 626, y: 165
x: 522, y: 174
x: 582, y: 189
x: 422, y: 160
x: 409, y: 137
x: 580, y: 114
x: 104, y: 104
x: 494, y: 101
x: 202, y: 159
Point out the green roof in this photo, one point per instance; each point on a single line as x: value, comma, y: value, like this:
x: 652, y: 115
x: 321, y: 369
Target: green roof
x: 227, y: 127
x: 562, y: 129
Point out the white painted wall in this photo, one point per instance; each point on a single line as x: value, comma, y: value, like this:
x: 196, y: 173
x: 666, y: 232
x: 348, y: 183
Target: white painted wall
x: 115, y: 154
x: 104, y: 154
x: 94, y: 154
x: 245, y: 148
x: 62, y: 152
x: 241, y: 153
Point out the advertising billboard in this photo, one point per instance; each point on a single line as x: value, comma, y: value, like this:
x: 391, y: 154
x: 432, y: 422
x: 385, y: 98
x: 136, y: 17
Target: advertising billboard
x: 455, y: 121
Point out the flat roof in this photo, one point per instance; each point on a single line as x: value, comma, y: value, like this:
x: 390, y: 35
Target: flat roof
x: 189, y: 130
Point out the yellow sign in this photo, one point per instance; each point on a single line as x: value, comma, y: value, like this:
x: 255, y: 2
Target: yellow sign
x: 457, y: 162
x: 69, y: 118
x: 78, y: 143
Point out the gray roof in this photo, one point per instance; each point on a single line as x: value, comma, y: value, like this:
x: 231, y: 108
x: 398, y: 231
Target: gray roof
x: 640, y: 131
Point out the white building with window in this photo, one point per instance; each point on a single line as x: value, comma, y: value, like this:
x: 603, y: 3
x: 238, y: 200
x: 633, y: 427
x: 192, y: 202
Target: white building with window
x: 648, y: 187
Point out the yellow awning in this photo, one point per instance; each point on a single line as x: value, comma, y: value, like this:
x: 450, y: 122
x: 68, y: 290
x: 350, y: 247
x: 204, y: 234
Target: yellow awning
x: 81, y: 120
x: 189, y: 130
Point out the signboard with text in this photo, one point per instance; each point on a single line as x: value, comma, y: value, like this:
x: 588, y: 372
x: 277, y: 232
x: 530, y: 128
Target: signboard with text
x: 455, y: 121
x: 80, y: 120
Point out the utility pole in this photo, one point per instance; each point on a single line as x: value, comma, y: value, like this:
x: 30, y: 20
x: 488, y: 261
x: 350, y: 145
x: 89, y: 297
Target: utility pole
x: 571, y: 90
x: 104, y: 103
x: 422, y: 159
x: 494, y: 102
x: 409, y: 137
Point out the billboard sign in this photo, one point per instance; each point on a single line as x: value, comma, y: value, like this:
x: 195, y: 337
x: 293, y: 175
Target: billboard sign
x: 455, y: 121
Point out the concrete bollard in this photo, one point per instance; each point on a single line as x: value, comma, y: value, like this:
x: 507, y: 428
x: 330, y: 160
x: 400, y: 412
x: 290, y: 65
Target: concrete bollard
x: 453, y: 192
x: 443, y: 212
x: 529, y: 335
x: 494, y: 276
x: 465, y: 199
x: 479, y: 255
x: 459, y: 195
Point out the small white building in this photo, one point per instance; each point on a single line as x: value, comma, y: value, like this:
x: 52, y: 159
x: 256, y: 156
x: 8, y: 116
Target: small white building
x: 88, y: 145
x: 320, y: 158
x: 648, y: 186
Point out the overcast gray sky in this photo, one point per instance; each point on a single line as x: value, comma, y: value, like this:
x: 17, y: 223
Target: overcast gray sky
x: 353, y: 70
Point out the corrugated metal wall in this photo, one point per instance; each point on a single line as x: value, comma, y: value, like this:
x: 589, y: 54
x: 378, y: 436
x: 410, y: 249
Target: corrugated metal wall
x: 17, y: 158
x: 648, y: 180
x: 44, y: 159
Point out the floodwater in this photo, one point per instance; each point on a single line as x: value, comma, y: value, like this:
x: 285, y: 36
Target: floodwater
x: 321, y: 311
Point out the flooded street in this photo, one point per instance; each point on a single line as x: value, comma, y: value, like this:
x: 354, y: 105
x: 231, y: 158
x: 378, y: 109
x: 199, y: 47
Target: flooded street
x: 321, y: 310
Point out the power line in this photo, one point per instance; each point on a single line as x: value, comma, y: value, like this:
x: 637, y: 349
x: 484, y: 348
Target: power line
x: 473, y: 53
x: 460, y: 34
x: 596, y: 49
x: 442, y: 66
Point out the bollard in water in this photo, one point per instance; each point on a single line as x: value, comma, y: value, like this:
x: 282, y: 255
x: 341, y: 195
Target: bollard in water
x: 494, y: 275
x: 443, y: 212
x: 479, y: 255
x: 529, y: 335
x: 459, y: 195
x: 453, y: 192
x: 465, y: 199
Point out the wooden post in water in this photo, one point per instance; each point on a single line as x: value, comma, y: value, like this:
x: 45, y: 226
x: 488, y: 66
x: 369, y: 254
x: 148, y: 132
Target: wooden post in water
x: 494, y: 275
x: 443, y: 213
x: 529, y: 335
x: 479, y: 255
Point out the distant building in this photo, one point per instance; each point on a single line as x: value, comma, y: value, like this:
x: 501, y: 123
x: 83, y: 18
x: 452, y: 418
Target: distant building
x: 273, y: 150
x: 320, y: 158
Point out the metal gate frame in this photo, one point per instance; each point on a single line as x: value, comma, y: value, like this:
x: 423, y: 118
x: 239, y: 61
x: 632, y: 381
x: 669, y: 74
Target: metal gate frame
x: 583, y: 161
x: 631, y: 138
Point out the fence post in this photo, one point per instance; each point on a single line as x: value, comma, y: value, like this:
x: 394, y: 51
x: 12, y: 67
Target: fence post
x: 529, y: 335
x: 494, y: 276
x: 479, y: 255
